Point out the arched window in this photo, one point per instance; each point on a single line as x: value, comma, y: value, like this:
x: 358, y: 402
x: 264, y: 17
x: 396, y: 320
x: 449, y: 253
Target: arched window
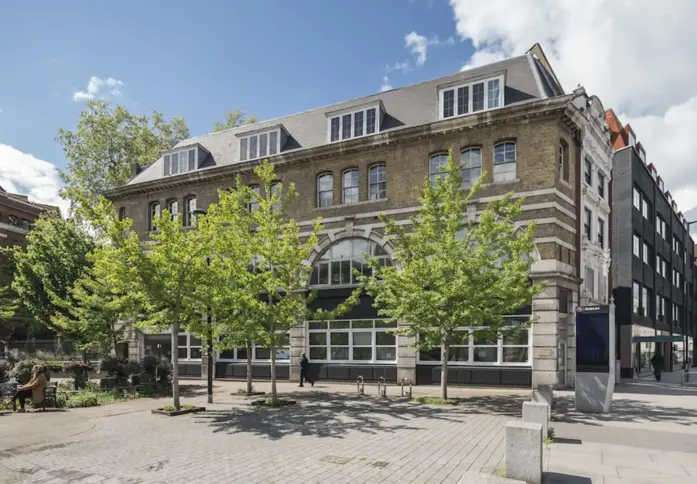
x: 563, y: 160
x: 325, y: 190
x: 437, y: 166
x: 505, y: 161
x: 190, y: 208
x: 122, y: 213
x: 154, y: 212
x: 349, y: 191
x: 253, y: 205
x: 471, y: 162
x: 377, y: 183
x: 335, y: 266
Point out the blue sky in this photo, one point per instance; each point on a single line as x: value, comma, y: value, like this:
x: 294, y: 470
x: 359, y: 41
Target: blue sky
x: 197, y: 60
x: 272, y: 58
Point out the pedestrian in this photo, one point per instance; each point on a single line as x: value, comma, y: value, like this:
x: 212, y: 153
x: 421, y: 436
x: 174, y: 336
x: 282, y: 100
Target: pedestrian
x: 657, y: 362
x: 304, y: 370
x: 34, y: 389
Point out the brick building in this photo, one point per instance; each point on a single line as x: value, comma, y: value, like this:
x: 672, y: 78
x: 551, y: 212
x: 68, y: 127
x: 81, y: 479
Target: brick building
x: 653, y: 271
x: 17, y: 214
x: 354, y: 160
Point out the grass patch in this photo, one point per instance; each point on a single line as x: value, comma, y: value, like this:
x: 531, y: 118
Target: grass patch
x: 547, y: 441
x: 434, y: 401
x: 91, y: 398
x: 171, y: 408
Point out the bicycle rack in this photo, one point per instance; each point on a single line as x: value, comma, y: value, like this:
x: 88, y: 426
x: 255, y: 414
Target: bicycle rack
x: 406, y: 380
x: 382, y: 383
x: 360, y: 385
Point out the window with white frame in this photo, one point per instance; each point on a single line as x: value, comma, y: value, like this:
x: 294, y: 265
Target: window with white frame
x: 357, y: 340
x: 359, y: 123
x: 601, y: 233
x: 505, y: 161
x: 660, y: 307
x: 153, y: 214
x: 173, y: 208
x: 349, y: 186
x: 260, y: 145
x: 589, y: 281
x: 437, y: 166
x: 325, y: 190
x: 676, y: 312
x: 189, y: 347
x: 253, y: 204
x: 335, y: 266
x: 377, y: 182
x: 645, y: 208
x: 636, y: 296
x: 587, y: 221
x: 601, y: 185
x: 259, y: 353
x: 471, y: 162
x: 510, y: 349
x: 563, y: 160
x: 180, y: 162
x: 190, y: 208
x: 647, y: 254
x: 661, y: 226
x: 636, y: 246
x: 588, y: 172
x: 636, y: 198
x: 645, y: 301
x: 471, y: 97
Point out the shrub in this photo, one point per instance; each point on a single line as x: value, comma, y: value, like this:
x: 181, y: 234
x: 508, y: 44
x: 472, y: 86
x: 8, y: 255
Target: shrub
x: 79, y: 370
x: 21, y: 371
x: 112, y: 366
x: 4, y: 370
x: 133, y: 368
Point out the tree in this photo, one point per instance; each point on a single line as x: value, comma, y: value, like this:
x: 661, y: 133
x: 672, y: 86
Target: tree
x: 234, y: 119
x: 9, y: 302
x: 272, y: 273
x: 454, y: 277
x: 107, y: 142
x: 162, y: 281
x: 54, y: 259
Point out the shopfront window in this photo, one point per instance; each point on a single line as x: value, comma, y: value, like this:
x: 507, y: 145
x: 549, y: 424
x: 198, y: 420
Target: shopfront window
x: 362, y: 340
x: 259, y: 353
x: 479, y: 348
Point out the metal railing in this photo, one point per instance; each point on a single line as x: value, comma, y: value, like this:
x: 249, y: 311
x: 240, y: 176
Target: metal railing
x: 403, y: 381
x: 382, y: 387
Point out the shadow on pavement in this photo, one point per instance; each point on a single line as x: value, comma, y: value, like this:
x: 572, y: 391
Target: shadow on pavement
x: 558, y: 478
x: 623, y: 410
x: 321, y: 414
x: 655, y: 388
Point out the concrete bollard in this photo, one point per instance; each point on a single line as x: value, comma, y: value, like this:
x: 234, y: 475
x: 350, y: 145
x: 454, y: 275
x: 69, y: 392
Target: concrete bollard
x: 523, y: 452
x: 534, y: 412
x: 544, y: 394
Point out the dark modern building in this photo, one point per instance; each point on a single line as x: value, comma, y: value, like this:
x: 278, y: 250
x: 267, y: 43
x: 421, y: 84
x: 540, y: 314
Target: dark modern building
x: 653, y: 271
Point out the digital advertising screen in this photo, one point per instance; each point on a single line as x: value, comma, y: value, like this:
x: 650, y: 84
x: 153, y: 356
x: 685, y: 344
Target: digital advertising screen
x: 593, y: 342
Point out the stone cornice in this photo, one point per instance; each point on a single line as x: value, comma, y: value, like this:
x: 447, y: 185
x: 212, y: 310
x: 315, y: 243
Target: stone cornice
x: 558, y: 106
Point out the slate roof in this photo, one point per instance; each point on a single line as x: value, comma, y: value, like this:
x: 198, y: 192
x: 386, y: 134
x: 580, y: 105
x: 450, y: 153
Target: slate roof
x: 525, y: 78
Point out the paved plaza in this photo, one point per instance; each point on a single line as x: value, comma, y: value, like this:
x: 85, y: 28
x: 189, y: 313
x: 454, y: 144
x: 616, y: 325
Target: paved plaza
x: 335, y: 436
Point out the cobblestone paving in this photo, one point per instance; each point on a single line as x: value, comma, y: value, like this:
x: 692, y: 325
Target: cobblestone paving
x: 324, y: 439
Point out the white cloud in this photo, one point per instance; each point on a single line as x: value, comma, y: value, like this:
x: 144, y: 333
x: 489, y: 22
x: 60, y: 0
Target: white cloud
x: 398, y: 66
x: 386, y: 86
x: 418, y: 45
x: 95, y: 89
x: 25, y: 174
x: 635, y: 57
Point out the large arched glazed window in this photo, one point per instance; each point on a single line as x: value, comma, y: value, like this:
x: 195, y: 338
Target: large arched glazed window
x: 335, y: 266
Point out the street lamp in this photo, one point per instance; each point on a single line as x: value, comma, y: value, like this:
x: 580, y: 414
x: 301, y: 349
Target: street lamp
x: 210, y: 333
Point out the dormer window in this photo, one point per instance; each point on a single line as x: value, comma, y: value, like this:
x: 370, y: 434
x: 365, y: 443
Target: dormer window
x: 260, y: 145
x: 182, y: 161
x: 472, y: 97
x: 355, y: 124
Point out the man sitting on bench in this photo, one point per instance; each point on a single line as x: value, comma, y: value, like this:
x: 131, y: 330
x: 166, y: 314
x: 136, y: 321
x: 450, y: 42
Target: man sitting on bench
x: 34, y: 389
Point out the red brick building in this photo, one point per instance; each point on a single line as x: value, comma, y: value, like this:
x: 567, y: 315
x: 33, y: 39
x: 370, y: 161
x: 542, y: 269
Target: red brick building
x: 17, y: 214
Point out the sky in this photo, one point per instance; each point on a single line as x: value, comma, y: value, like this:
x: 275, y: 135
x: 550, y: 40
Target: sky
x: 272, y: 58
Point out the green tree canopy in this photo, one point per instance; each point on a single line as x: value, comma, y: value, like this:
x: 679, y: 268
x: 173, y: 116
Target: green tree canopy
x: 107, y: 142
x: 54, y: 259
x: 234, y: 119
x: 452, y: 277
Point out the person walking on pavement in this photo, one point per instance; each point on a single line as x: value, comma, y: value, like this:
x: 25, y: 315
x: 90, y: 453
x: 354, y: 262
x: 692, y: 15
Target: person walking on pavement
x: 657, y: 362
x: 304, y: 369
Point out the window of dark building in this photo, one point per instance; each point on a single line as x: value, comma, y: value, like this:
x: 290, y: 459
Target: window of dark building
x: 636, y: 297
x: 636, y: 198
x: 636, y: 246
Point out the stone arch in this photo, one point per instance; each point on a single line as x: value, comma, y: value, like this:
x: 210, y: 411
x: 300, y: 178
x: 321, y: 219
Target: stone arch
x: 345, y: 234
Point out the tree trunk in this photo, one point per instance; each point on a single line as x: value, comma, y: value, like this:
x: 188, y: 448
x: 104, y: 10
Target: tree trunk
x: 175, y: 364
x: 250, y: 388
x: 445, y: 349
x: 274, y: 396
x: 115, y: 341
